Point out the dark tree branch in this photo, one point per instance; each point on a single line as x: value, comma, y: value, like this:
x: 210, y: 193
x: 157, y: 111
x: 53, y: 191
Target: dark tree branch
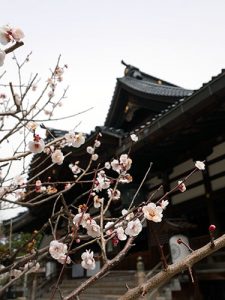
x: 14, y: 47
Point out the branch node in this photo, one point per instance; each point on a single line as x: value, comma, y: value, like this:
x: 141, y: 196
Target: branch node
x: 143, y: 291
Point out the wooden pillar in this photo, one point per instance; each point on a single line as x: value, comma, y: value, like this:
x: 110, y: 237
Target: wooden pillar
x: 34, y: 287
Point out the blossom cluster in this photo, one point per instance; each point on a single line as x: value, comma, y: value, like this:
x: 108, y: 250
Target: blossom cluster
x: 128, y: 225
x: 88, y: 261
x: 200, y: 165
x: 122, y: 165
x: 85, y: 220
x: 9, y: 34
x: 153, y: 212
x: 59, y: 252
x: 74, y: 139
x: 37, y: 145
x: 132, y: 228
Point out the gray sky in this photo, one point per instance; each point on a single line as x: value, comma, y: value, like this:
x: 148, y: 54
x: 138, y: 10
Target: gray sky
x: 178, y: 40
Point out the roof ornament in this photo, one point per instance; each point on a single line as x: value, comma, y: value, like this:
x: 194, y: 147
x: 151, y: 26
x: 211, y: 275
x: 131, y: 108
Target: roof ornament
x: 132, y: 71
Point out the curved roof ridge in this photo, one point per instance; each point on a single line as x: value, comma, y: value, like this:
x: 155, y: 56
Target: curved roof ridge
x: 135, y: 72
x: 154, y: 88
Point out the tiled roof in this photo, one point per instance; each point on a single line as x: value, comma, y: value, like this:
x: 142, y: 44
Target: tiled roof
x: 21, y: 220
x: 143, y: 85
x: 144, y: 128
x: 150, y: 88
x: 110, y: 131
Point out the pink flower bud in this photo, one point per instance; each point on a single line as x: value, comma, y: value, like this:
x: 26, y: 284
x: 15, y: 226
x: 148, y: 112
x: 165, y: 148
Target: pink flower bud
x: 181, y: 186
x: 212, y: 228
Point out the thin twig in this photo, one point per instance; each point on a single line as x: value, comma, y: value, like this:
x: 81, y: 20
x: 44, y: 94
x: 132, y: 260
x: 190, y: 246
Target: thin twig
x: 141, y: 184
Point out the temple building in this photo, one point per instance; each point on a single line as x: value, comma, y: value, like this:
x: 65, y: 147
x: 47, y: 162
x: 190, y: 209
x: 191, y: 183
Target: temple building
x: 175, y: 127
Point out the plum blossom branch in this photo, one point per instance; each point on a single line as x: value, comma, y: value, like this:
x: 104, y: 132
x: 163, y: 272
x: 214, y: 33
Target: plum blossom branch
x: 107, y: 266
x: 165, y: 275
x: 141, y: 184
x: 14, y: 47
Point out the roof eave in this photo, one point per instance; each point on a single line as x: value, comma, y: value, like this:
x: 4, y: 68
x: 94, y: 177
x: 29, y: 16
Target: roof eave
x: 199, y: 100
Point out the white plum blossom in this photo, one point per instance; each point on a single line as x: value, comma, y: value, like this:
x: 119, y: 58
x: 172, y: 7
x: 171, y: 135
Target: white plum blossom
x: 97, y: 201
x: 80, y: 140
x: 122, y: 165
x: 114, y: 194
x: 19, y: 180
x: 182, y: 186
x: 129, y: 216
x: 125, y: 178
x: 120, y: 233
x: 20, y: 194
x: 57, y: 249
x: 57, y: 157
x: 82, y: 219
x: 134, y: 137
x: 88, y: 261
x: 94, y: 156
x: 200, y: 165
x: 4, y: 36
x: 43, y: 189
x: 93, y: 229
x: 107, y: 165
x: 17, y: 34
x: 75, y: 169
x: 90, y: 150
x: 64, y: 259
x: 74, y: 139
x: 97, y: 143
x: 153, y: 212
x: 59, y: 71
x: 107, y: 225
x: 102, y: 182
x: 2, y: 57
x: 164, y: 204
x: 9, y: 34
x: 133, y: 228
x: 32, y: 125
x: 37, y: 145
x: 70, y: 137
x: 125, y: 161
x: 116, y: 165
x: 49, y: 150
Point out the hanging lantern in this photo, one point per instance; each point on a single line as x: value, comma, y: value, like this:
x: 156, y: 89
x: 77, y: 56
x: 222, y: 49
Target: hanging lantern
x: 178, y: 251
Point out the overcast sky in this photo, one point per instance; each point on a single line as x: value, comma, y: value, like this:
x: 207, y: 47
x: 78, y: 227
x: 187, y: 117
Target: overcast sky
x: 178, y: 40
